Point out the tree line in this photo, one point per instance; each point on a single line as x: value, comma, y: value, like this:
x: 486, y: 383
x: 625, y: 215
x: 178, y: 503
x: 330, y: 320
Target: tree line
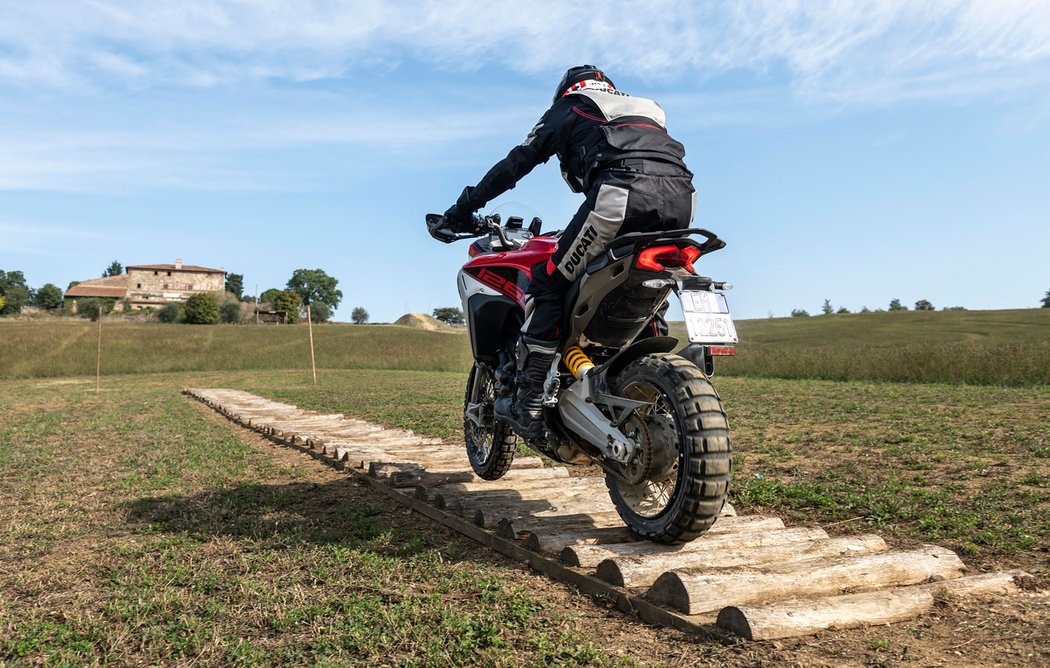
x: 895, y: 305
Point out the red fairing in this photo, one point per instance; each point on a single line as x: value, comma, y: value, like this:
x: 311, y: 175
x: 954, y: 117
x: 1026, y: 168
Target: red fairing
x: 510, y: 272
x: 535, y: 251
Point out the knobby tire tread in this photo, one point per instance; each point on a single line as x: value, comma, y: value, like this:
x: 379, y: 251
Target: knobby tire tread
x: 705, y: 474
x: 502, y: 454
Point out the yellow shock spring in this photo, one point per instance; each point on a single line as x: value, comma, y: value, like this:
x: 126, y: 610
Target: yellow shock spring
x: 577, y: 361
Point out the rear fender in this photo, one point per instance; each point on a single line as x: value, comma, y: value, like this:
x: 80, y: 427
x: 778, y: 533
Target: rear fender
x: 654, y: 344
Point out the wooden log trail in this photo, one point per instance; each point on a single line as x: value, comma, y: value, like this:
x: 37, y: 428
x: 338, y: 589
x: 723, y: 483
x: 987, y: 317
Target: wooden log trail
x: 764, y: 580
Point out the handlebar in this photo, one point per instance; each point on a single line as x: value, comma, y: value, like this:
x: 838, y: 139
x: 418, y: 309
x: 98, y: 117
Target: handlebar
x: 439, y: 228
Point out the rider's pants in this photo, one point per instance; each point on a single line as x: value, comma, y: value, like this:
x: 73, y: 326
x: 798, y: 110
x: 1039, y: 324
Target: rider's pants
x: 621, y: 201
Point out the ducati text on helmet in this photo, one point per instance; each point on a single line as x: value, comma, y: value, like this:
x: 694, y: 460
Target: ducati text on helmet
x: 578, y: 74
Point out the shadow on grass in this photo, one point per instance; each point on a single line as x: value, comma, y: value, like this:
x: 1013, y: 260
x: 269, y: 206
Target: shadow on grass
x: 293, y: 514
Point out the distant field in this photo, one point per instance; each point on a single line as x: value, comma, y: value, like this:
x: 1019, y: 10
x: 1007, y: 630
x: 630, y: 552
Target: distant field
x: 67, y: 348
x: 971, y: 347
x: 960, y: 347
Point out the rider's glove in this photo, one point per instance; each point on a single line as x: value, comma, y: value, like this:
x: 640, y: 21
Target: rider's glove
x: 460, y: 216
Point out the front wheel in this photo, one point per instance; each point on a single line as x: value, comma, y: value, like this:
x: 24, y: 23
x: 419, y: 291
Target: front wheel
x: 675, y: 486
x: 490, y: 443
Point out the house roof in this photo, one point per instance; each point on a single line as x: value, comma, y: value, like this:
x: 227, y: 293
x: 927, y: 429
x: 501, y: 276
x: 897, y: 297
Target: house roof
x: 171, y: 267
x: 88, y: 290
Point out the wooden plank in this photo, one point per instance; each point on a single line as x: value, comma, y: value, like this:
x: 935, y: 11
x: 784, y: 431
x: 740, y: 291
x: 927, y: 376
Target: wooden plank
x: 693, y: 592
x: 643, y: 571
x: 516, y: 527
x: 554, y: 542
x: 589, y: 556
x: 489, y: 515
x: 799, y: 617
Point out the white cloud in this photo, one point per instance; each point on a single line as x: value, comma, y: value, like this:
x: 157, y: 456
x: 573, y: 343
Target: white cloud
x: 863, y: 51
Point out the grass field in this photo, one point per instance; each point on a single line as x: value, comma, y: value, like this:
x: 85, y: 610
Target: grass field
x: 140, y: 529
x: 1010, y: 348
x: 971, y: 347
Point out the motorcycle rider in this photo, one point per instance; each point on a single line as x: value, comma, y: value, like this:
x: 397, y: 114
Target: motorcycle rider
x: 614, y: 148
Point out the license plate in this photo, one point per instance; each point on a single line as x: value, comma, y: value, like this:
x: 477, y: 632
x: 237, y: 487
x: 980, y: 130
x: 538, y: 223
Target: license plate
x: 707, y: 318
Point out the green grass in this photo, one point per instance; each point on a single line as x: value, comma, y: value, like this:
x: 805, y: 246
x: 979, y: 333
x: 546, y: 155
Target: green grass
x: 137, y: 529
x: 960, y: 347
x: 40, y: 349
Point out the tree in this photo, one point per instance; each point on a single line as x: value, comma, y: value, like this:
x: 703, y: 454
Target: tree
x: 288, y: 301
x: 359, y: 315
x: 895, y: 305
x: 170, y: 312
x: 1, y: 303
x: 842, y: 309
x: 235, y: 284
x: 450, y: 315
x: 14, y: 290
x: 1046, y: 300
x: 269, y: 295
x: 320, y: 312
x: 114, y: 269
x: 924, y: 305
x: 230, y: 313
x: 88, y: 308
x: 49, y: 296
x: 202, y: 308
x: 865, y: 309
x: 827, y: 308
x: 799, y: 313
x: 314, y: 285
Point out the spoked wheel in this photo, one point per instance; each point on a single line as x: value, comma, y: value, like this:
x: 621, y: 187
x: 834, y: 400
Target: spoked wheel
x: 674, y: 488
x: 490, y: 444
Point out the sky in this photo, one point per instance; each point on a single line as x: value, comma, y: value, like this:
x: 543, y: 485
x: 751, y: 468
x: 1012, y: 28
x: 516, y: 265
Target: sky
x: 850, y: 151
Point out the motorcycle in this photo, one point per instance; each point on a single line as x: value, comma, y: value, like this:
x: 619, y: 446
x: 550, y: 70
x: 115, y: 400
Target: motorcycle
x: 616, y: 395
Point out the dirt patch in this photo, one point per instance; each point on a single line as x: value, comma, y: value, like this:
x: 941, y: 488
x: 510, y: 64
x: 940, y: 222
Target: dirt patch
x: 422, y: 321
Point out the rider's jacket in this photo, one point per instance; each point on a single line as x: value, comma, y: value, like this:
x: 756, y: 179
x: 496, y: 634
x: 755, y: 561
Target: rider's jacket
x: 591, y: 128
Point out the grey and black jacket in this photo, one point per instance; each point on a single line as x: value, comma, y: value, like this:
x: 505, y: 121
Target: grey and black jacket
x: 589, y: 131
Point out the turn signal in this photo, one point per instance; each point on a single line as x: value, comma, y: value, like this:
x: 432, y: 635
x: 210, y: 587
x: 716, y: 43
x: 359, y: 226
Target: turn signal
x: 658, y: 258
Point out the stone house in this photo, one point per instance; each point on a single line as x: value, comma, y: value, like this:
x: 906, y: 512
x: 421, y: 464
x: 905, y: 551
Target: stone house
x: 147, y: 285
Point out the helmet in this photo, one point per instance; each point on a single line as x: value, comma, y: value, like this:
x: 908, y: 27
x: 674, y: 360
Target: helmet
x: 577, y: 74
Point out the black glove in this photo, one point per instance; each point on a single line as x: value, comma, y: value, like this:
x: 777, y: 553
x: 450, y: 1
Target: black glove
x: 460, y: 216
x: 458, y: 220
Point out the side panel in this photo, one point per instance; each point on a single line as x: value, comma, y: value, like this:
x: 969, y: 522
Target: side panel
x: 490, y: 320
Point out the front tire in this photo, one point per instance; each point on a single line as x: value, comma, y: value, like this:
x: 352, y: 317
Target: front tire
x: 490, y: 444
x: 679, y: 489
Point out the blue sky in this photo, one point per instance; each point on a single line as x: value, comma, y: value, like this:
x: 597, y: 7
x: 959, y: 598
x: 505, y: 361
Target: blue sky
x: 850, y: 151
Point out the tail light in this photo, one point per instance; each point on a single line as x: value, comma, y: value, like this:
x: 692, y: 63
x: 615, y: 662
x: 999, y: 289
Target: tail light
x: 658, y: 258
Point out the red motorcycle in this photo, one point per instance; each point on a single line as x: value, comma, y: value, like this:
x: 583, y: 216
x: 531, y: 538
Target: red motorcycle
x: 616, y: 396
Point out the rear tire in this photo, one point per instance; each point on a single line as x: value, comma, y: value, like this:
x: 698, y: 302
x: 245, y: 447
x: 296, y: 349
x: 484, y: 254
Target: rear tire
x: 694, y: 479
x: 491, y: 444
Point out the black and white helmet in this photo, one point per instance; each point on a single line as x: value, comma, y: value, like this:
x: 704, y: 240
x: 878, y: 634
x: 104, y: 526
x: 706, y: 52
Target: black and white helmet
x: 577, y: 75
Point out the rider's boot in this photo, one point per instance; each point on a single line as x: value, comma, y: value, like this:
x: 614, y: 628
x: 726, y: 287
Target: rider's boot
x: 525, y: 415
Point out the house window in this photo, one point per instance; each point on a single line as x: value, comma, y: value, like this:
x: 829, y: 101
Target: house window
x: 138, y: 286
x: 165, y: 286
x: 156, y: 273
x: 169, y: 273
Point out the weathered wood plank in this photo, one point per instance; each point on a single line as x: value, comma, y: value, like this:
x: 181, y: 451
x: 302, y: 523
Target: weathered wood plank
x: 694, y: 592
x: 589, y: 556
x: 642, y: 571
x: 799, y: 617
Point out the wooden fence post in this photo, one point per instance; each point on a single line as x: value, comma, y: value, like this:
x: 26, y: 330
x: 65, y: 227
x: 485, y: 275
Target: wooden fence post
x: 98, y: 352
x: 310, y: 328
